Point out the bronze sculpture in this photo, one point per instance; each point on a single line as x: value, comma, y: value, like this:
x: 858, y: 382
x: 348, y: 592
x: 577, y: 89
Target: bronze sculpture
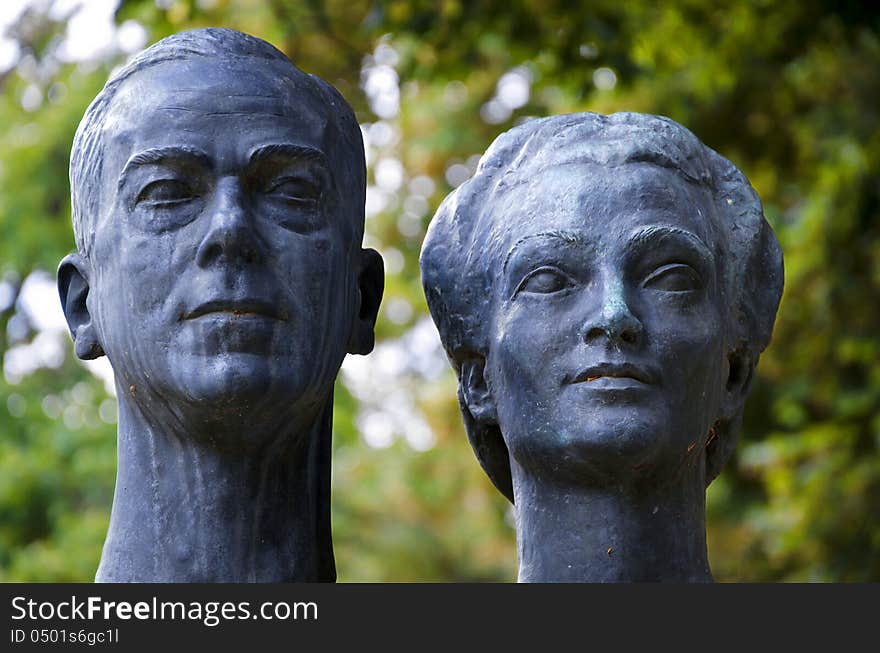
x: 603, y: 286
x: 218, y: 207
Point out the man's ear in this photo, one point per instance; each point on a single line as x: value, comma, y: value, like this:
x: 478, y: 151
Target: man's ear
x: 475, y: 391
x: 73, y: 288
x: 371, y: 284
x: 740, y: 371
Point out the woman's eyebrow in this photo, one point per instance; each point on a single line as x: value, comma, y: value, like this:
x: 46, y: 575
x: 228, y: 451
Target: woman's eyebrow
x: 566, y: 238
x: 653, y: 234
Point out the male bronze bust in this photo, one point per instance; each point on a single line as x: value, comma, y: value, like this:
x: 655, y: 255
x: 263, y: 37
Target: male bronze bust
x: 218, y: 207
x: 604, y: 286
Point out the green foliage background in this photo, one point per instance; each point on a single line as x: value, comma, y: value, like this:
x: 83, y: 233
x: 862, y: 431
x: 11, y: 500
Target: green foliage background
x: 788, y: 90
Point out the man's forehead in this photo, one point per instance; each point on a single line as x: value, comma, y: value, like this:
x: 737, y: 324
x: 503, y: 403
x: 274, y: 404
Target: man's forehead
x: 215, y: 102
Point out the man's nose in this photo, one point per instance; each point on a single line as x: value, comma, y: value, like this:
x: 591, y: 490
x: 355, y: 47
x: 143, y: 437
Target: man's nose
x: 614, y: 319
x: 231, y: 234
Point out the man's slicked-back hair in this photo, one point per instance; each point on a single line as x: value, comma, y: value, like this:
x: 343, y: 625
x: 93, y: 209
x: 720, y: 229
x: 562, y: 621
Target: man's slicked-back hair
x: 465, y: 237
x: 224, y: 45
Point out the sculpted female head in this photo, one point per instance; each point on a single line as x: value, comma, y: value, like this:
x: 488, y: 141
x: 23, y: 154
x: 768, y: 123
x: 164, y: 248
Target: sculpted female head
x: 603, y: 286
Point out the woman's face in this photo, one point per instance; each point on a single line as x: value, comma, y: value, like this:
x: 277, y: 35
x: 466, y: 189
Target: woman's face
x: 606, y: 359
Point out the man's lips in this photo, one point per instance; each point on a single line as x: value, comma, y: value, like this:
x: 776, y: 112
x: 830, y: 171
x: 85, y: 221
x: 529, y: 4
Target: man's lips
x: 614, y: 371
x: 237, y: 308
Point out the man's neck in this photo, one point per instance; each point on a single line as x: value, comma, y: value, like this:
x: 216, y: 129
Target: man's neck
x: 187, y: 511
x: 611, y: 534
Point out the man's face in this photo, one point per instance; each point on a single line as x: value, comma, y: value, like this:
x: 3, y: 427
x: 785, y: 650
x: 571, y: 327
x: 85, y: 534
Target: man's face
x: 606, y: 357
x: 222, y: 263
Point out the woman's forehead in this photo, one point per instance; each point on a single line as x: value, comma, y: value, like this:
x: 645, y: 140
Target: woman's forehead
x: 596, y: 202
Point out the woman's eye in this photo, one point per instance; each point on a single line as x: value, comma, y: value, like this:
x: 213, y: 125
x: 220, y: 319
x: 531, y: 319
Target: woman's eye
x: 675, y: 277
x: 166, y: 193
x: 293, y: 189
x: 545, y: 281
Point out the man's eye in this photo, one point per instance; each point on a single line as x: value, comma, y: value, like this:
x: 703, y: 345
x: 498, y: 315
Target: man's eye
x: 293, y: 189
x: 675, y: 277
x: 544, y: 281
x: 166, y: 193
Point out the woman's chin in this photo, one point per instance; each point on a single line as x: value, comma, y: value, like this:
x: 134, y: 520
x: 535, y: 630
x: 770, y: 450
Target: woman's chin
x: 607, y: 449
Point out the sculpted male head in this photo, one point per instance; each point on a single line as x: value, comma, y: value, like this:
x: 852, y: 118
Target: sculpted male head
x: 211, y: 171
x: 218, y: 209
x: 604, y: 286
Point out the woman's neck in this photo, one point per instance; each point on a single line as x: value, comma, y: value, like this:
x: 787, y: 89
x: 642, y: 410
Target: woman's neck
x: 629, y: 533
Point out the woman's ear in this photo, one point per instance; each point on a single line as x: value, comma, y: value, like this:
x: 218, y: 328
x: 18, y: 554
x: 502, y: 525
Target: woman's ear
x: 475, y: 391
x: 371, y: 284
x: 73, y: 289
x: 740, y: 370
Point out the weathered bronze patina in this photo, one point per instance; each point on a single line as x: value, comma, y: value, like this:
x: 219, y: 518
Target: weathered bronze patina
x: 604, y: 286
x: 218, y: 207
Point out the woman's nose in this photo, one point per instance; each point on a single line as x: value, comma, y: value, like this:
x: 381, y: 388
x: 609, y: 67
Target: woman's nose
x: 614, y: 319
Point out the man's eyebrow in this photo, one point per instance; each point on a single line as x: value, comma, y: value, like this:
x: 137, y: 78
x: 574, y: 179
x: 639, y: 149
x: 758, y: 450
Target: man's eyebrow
x: 162, y: 154
x: 289, y: 151
x: 654, y: 233
x: 567, y: 238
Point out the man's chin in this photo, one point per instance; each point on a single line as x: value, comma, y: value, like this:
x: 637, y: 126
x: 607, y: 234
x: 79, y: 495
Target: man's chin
x: 231, y: 384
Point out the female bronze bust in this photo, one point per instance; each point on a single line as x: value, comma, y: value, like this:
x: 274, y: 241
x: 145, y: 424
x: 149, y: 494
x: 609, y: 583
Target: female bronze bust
x: 604, y: 286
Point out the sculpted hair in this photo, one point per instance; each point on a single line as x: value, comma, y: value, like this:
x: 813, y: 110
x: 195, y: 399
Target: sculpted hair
x: 466, y: 238
x: 87, y: 154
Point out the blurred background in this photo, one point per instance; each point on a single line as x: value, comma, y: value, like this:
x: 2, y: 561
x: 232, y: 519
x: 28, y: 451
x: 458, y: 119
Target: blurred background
x: 788, y: 90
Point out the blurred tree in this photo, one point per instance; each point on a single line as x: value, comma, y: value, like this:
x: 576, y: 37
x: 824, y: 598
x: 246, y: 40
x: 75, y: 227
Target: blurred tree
x: 787, y: 90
